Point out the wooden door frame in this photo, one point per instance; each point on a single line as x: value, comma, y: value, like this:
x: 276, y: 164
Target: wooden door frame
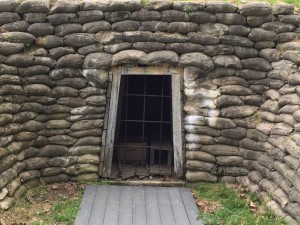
x: 108, y: 135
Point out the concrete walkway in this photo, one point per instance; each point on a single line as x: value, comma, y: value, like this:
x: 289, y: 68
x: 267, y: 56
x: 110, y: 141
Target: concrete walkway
x: 137, y: 205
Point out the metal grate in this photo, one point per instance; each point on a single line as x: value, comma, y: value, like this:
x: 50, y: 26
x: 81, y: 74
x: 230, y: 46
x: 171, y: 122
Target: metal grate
x: 143, y: 143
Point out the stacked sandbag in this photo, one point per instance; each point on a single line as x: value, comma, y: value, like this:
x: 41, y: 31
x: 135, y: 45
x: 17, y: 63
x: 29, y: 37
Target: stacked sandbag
x: 23, y: 98
x: 38, y: 94
x: 270, y: 151
x: 240, y: 89
x: 75, y: 120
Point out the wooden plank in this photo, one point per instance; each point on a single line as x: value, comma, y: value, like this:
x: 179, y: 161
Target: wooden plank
x: 119, y: 106
x: 178, y: 208
x: 114, y: 194
x: 190, y: 206
x: 151, y: 70
x: 110, y: 136
x: 152, y: 209
x: 102, y: 153
x: 104, y: 132
x: 177, y: 125
x: 156, y: 183
x: 108, y: 93
x: 103, y: 139
x: 86, y: 205
x: 99, y: 207
x: 138, y: 206
x: 101, y: 165
x: 125, y: 211
x: 166, y: 212
x: 106, y: 115
x: 111, y: 216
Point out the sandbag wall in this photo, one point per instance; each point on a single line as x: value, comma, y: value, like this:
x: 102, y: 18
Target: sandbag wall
x: 276, y: 173
x: 241, y: 77
x: 51, y: 115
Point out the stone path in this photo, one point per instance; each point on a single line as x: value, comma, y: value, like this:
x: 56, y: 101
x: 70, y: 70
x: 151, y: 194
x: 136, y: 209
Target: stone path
x: 137, y: 205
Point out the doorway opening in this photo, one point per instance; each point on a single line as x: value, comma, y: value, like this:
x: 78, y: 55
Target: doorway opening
x: 143, y: 142
x: 112, y: 120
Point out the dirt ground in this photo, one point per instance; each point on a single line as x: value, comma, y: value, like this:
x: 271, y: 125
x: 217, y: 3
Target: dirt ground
x: 213, y: 206
x: 37, y: 200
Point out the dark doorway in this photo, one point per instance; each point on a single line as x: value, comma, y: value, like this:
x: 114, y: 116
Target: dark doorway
x: 143, y: 135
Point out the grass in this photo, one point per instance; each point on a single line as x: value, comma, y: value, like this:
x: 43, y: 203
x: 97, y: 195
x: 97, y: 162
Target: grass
x: 219, y: 204
x: 64, y: 211
x: 295, y: 2
x: 239, y: 2
x: 227, y: 206
x: 145, y: 2
x: 48, y: 204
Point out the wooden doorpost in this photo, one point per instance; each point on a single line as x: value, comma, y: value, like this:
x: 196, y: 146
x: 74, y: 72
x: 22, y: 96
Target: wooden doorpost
x: 110, y: 134
x: 177, y: 125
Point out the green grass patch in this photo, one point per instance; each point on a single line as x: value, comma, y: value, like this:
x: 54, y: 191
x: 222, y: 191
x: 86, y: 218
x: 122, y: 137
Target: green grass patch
x: 65, y: 209
x: 241, y: 2
x: 63, y: 212
x: 144, y: 2
x: 227, y: 206
x: 54, y: 203
x: 49, y: 204
x: 295, y: 2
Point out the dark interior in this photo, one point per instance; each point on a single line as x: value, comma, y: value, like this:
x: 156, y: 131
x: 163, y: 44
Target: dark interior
x: 144, y: 121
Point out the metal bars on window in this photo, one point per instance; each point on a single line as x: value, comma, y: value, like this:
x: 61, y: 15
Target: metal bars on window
x: 144, y: 123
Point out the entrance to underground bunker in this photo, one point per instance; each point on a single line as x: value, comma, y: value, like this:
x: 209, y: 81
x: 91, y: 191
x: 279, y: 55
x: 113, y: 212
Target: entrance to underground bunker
x: 109, y: 159
x: 143, y: 135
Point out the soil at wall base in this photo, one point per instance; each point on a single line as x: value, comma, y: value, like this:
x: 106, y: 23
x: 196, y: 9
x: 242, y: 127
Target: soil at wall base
x: 38, y: 201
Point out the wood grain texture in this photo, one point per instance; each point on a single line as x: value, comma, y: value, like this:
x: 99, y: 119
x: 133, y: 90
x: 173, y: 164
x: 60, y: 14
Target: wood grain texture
x: 110, y: 134
x: 177, y: 125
